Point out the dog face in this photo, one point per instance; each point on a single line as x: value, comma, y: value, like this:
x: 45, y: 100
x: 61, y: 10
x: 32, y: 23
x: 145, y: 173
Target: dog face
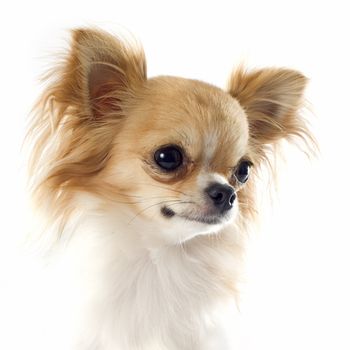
x: 182, y: 154
x: 176, y: 154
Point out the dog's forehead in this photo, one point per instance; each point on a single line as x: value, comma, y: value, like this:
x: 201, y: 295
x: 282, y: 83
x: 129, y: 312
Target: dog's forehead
x: 210, y: 116
x: 185, y: 102
x: 205, y: 120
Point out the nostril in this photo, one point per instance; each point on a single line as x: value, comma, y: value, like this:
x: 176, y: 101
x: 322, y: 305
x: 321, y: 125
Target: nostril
x: 218, y: 196
x: 232, y: 198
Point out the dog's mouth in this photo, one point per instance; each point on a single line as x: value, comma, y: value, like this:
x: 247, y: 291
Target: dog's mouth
x: 205, y: 219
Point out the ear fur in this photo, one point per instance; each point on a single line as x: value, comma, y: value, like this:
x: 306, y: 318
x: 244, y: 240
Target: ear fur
x: 99, y: 71
x: 78, y: 115
x: 271, y: 98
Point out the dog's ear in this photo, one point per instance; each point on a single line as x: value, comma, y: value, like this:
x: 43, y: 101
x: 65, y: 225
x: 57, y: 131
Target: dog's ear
x: 271, y: 99
x: 79, y: 113
x: 99, y: 73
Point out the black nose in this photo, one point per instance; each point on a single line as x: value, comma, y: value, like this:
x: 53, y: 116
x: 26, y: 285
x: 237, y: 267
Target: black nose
x: 222, y: 196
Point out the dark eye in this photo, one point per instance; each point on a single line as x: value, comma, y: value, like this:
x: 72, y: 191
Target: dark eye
x: 168, y: 158
x: 242, y: 171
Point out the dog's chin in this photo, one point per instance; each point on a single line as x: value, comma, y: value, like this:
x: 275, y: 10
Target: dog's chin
x: 199, y: 223
x: 166, y: 227
x: 208, y: 220
x: 204, y: 218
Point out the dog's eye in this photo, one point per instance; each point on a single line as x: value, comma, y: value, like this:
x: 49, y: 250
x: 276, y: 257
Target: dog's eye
x: 242, y: 171
x: 168, y: 158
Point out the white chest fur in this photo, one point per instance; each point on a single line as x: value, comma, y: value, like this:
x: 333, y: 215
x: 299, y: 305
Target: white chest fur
x: 115, y: 294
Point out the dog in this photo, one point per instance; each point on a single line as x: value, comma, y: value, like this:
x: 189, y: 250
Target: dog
x: 147, y: 190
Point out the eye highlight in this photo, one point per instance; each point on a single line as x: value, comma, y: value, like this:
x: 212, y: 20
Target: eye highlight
x: 168, y: 158
x: 242, y: 171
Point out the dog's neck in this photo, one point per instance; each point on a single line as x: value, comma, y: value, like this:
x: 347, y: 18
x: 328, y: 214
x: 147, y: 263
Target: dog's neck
x: 106, y: 259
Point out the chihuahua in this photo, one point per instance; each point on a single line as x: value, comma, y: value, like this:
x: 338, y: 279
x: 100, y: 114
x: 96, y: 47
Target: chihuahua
x: 146, y: 189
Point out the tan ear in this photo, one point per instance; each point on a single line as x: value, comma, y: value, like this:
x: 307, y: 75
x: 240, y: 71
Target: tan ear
x: 78, y: 115
x: 99, y: 71
x: 271, y: 98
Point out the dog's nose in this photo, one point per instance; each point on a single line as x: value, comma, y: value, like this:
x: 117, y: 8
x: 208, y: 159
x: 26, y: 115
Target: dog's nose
x: 221, y: 195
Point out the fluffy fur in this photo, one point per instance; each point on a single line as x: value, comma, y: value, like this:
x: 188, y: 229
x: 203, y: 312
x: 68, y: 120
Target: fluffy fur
x: 135, y: 278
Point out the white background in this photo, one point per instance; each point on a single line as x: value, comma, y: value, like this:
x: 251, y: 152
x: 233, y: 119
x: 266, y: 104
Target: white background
x: 298, y: 290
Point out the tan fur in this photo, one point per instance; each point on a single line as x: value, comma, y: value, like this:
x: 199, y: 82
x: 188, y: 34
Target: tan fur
x: 74, y: 145
x: 99, y: 122
x: 71, y: 145
x: 94, y: 133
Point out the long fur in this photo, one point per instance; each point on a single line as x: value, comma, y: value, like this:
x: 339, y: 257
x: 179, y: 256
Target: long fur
x: 91, y: 132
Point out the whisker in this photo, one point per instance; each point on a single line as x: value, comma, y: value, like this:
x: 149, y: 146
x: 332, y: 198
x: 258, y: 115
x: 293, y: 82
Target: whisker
x: 137, y: 198
x: 153, y: 185
x: 163, y: 187
x: 183, y: 202
x: 145, y: 200
x: 111, y: 191
x: 153, y: 205
x: 159, y: 203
